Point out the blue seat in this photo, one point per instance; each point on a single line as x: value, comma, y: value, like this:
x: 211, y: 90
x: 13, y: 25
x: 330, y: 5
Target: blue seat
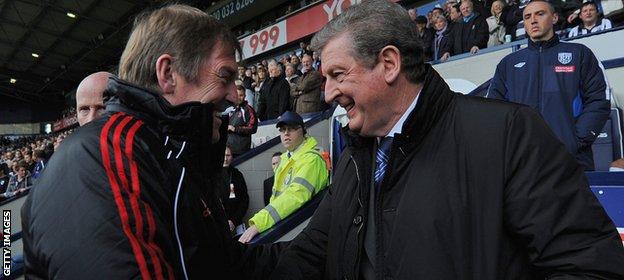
x: 608, y: 144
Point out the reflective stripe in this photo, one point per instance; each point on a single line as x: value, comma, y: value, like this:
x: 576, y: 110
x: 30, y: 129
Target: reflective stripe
x: 305, y: 183
x: 273, y: 213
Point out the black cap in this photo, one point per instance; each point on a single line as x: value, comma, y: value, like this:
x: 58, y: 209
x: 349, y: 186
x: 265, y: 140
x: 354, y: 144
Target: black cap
x: 289, y: 118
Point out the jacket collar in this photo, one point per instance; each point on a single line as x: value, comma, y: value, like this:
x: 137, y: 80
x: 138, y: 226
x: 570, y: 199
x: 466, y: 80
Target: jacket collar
x: 152, y: 107
x: 308, y: 144
x: 189, y: 122
x: 432, y: 103
x: 544, y: 44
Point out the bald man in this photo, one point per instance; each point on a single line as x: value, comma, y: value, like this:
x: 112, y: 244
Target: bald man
x: 89, y: 97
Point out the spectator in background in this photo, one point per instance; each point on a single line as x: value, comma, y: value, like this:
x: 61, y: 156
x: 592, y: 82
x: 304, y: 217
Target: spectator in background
x: 285, y: 60
x: 4, y: 178
x: 293, y: 79
x: 296, y: 62
x: 274, y: 94
x: 234, y: 192
x: 303, y: 49
x: 90, y: 97
x: 20, y: 183
x: 268, y: 182
x: 442, y: 44
x: 511, y: 17
x: 241, y: 72
x: 572, y: 95
x: 481, y: 7
x: 300, y: 175
x: 243, y: 123
x: 590, y: 21
x: 30, y: 163
x: 437, y: 11
x: 455, y: 15
x: 429, y: 17
x: 448, y: 7
x: 425, y: 34
x: 495, y: 26
x: 316, y: 61
x: 249, y: 89
x: 471, y: 34
x: 291, y: 75
x: 307, y: 92
x: 39, y: 163
x: 258, y: 83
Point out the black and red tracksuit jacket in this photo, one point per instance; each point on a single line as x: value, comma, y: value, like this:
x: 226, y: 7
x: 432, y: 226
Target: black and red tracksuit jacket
x: 134, y: 194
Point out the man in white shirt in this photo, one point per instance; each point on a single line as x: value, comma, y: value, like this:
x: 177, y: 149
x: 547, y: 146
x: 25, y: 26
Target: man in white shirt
x: 590, y: 22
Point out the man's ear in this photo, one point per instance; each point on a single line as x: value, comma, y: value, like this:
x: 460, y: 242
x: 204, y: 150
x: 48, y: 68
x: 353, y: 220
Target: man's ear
x: 164, y: 74
x: 390, y: 58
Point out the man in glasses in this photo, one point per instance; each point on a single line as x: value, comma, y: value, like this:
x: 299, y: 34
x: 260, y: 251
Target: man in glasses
x: 300, y: 175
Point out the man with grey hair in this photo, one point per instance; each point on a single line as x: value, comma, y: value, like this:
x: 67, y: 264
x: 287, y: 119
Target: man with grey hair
x: 136, y: 193
x: 274, y: 94
x: 514, y: 204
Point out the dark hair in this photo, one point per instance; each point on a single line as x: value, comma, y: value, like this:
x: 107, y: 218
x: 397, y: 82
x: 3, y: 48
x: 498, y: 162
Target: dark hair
x: 276, y: 154
x: 456, y: 7
x: 421, y: 19
x: 239, y: 87
x: 590, y: 3
x: 550, y: 6
x: 438, y: 8
x: 373, y: 25
x: 21, y: 164
x: 39, y: 153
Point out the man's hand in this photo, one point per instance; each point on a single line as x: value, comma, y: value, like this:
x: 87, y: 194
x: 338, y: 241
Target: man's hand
x: 248, y: 235
x: 445, y: 56
x: 474, y: 49
x: 231, y: 128
x: 572, y: 17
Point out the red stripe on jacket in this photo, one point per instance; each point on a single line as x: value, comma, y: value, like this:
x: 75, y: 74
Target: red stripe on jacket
x: 155, y: 252
x: 119, y: 202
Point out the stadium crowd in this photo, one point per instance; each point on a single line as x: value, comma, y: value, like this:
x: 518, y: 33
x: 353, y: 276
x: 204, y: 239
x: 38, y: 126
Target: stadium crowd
x: 471, y: 25
x: 22, y: 159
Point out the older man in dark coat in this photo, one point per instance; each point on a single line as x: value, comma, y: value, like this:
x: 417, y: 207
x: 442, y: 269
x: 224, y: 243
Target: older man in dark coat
x: 438, y: 185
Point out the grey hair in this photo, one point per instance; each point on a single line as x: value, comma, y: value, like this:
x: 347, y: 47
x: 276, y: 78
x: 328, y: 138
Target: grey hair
x: 440, y: 17
x: 373, y: 25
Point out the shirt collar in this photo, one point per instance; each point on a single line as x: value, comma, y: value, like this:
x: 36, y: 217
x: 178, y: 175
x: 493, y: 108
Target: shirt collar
x: 468, y: 18
x: 398, y: 126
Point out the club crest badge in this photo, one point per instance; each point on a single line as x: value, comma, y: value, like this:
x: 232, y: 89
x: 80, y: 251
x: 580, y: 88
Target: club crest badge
x: 565, y: 57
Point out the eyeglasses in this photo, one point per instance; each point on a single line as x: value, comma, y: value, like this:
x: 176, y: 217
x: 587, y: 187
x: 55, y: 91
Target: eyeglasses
x: 288, y: 128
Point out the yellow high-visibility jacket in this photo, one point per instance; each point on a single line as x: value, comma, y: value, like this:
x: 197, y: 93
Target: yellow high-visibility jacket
x: 297, y: 179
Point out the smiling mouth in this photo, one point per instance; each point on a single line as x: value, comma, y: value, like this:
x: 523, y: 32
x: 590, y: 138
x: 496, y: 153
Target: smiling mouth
x: 349, y: 107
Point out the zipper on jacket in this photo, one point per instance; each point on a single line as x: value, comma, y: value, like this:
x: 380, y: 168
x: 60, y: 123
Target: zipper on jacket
x: 539, y: 81
x: 357, y: 235
x: 175, y: 222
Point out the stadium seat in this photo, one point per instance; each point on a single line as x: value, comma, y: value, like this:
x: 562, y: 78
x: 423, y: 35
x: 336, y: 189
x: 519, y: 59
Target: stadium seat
x: 608, y: 144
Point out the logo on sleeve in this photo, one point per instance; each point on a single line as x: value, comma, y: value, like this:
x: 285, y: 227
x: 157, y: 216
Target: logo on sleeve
x: 519, y: 65
x: 565, y: 57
